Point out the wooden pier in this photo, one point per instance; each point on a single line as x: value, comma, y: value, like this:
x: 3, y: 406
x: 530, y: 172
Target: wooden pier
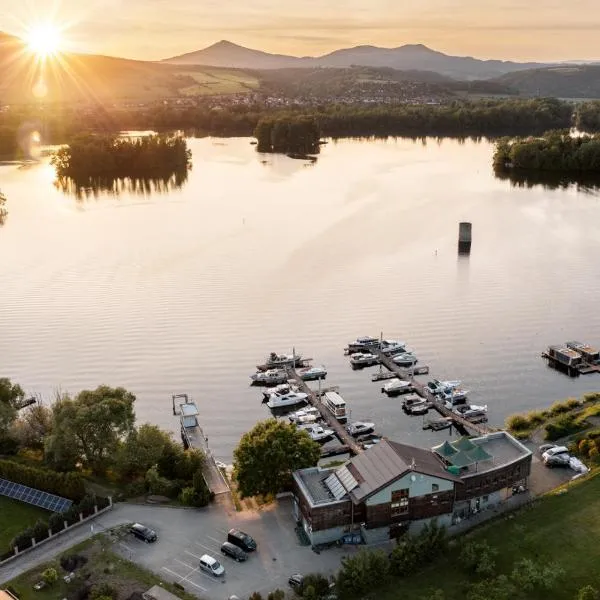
x: 193, y: 437
x: 314, y: 399
x: 421, y: 389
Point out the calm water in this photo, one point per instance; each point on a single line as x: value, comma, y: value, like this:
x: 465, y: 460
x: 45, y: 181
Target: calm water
x: 187, y: 291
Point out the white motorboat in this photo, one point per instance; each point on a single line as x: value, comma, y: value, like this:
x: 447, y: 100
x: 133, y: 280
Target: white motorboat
x: 418, y: 408
x: 362, y: 344
x: 363, y: 359
x: 391, y: 347
x: 287, y: 400
x: 396, y: 386
x: 280, y: 390
x: 305, y: 415
x: 435, y: 386
x: 469, y: 410
x: 318, y: 433
x: 454, y: 396
x: 283, y: 360
x: 269, y: 377
x: 405, y: 359
x: 359, y: 428
x: 312, y: 373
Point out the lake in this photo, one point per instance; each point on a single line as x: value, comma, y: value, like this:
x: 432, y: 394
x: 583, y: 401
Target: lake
x: 186, y: 291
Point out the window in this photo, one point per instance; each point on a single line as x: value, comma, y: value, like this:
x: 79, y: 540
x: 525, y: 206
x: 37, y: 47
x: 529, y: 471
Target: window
x: 399, y: 503
x: 435, y: 487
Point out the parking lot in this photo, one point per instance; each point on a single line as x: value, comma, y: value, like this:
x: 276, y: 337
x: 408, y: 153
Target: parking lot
x: 184, y: 536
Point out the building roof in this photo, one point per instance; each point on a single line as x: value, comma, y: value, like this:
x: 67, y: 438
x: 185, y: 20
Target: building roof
x: 387, y: 461
x: 312, y: 483
x: 446, y: 449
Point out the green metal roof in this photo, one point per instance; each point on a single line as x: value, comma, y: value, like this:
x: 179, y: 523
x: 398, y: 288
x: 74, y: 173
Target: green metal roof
x: 461, y: 459
x: 446, y: 449
x: 464, y: 444
x: 479, y: 454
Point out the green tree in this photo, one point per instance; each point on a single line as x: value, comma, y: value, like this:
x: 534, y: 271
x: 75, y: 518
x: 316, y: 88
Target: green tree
x: 266, y: 457
x: 10, y: 396
x: 93, y: 423
x: 361, y: 573
x: 588, y: 592
x: 50, y: 576
x: 315, y: 587
x: 32, y: 426
x: 478, y: 558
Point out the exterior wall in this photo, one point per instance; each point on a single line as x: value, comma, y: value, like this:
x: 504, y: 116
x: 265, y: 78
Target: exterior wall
x: 489, y: 482
x: 415, y: 527
x: 420, y: 487
x: 375, y: 536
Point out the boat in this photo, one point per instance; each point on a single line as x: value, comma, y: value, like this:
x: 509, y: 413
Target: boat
x: 453, y: 397
x: 396, y: 386
x: 312, y: 373
x: 369, y: 440
x: 405, y: 359
x: 283, y: 360
x: 362, y: 343
x: 359, y: 428
x: 318, y: 433
x: 269, y: 377
x: 470, y: 410
x: 280, y: 390
x: 392, y: 347
x: 410, y: 400
x: 305, y: 415
x: 286, y: 400
x: 438, y: 424
x: 336, y: 405
x: 419, y: 408
x: 437, y: 387
x: 363, y: 359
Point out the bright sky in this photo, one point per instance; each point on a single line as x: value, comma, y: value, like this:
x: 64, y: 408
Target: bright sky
x: 154, y: 29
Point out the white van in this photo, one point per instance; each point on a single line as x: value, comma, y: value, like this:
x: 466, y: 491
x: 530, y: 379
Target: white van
x: 211, y: 565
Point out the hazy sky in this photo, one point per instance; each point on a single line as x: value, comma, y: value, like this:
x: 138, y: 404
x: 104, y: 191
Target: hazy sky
x: 153, y: 29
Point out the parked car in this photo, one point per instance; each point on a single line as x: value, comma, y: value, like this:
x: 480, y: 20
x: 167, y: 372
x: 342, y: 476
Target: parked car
x: 562, y: 459
x: 545, y: 447
x: 241, y: 540
x: 211, y: 565
x: 143, y: 533
x: 554, y: 451
x: 296, y: 581
x: 235, y: 552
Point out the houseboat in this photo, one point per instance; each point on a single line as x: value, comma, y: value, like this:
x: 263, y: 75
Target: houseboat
x: 362, y: 344
x: 588, y: 354
x: 565, y: 356
x: 336, y: 406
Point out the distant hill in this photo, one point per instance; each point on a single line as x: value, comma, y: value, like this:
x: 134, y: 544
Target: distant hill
x: 409, y: 57
x: 82, y: 78
x: 566, y: 81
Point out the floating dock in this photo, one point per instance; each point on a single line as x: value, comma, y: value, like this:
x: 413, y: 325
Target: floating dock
x: 460, y: 423
x: 314, y: 399
x: 193, y: 437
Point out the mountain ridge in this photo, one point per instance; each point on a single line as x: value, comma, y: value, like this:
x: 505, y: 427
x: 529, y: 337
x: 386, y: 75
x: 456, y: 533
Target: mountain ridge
x: 406, y: 57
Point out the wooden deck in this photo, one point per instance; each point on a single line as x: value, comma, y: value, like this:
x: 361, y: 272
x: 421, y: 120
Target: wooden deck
x: 313, y: 397
x: 421, y: 389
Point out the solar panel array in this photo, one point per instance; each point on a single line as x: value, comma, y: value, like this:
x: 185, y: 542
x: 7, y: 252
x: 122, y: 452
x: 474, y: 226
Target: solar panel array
x: 32, y: 496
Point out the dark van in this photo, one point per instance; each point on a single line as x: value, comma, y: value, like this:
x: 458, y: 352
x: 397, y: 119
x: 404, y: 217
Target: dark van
x: 235, y: 552
x: 241, y: 540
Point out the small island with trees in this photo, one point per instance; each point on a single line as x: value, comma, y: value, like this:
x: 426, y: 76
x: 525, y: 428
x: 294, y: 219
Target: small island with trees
x: 297, y: 134
x: 99, y: 160
x: 555, y: 151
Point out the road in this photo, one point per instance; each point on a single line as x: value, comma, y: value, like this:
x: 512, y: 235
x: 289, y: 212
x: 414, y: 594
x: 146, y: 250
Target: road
x: 184, y: 535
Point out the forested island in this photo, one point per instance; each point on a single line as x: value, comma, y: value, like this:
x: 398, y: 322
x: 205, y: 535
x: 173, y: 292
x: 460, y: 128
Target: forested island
x: 299, y: 135
x: 482, y: 118
x: 556, y: 152
x: 92, y: 160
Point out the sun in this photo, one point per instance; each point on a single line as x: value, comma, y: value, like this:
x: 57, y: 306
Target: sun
x: 44, y: 40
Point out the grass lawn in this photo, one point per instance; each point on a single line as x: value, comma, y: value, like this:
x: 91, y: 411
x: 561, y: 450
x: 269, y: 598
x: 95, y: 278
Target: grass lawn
x: 560, y: 528
x: 16, y: 516
x: 102, y: 567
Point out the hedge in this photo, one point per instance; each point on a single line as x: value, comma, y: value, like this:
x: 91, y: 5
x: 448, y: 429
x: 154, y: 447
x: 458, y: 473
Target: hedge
x: 67, y: 485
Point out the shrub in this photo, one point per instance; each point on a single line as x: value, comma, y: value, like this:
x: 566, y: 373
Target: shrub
x: 517, y: 423
x: 40, y: 531
x: 160, y: 485
x: 562, y: 427
x: 50, y: 576
x: 22, y: 541
x: 536, y: 417
x: 559, y: 408
x: 256, y: 596
x: 276, y: 595
x: 573, y: 403
x: 591, y: 397
x: 86, y: 506
x: 72, y: 562
x: 359, y: 573
x: 314, y: 587
x: 136, y: 488
x: 584, y: 447
x: 478, y: 558
x: 56, y: 522
x: 104, y: 591
x: 594, y: 453
x: 588, y: 592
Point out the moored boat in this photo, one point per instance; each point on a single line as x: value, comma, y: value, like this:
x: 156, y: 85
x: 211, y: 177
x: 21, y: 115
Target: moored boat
x: 405, y: 359
x: 470, y: 410
x: 360, y: 428
x: 283, y: 360
x: 287, y: 400
x: 363, y: 359
x: 318, y: 433
x: 305, y: 415
x: 362, y: 344
x: 396, y: 387
x: 392, y: 347
x: 419, y: 408
x: 312, y: 373
x: 269, y: 377
x: 437, y: 387
x: 280, y: 390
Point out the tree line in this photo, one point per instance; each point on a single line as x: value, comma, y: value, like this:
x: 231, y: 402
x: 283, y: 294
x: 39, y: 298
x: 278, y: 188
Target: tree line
x: 458, y: 119
x: 556, y: 151
x: 94, y: 433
